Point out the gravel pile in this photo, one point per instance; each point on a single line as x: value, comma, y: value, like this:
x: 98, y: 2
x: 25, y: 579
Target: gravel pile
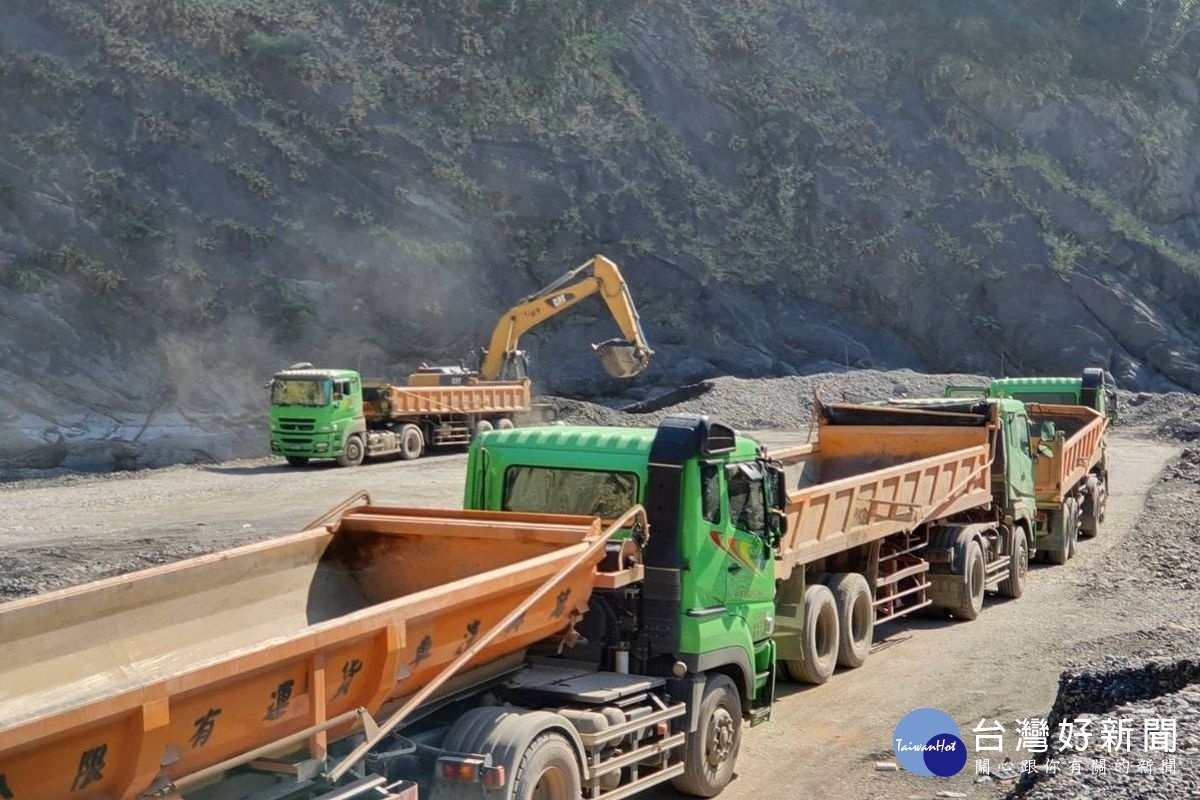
x: 1163, y: 552
x: 767, y: 403
x: 786, y: 403
x: 1142, y: 697
x: 1142, y: 675
x: 1172, y: 415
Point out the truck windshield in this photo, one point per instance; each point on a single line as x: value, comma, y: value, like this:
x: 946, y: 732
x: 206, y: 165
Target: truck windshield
x: 299, y: 392
x: 591, y: 493
x: 1053, y: 398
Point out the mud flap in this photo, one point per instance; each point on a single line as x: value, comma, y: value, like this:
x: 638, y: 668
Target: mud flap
x: 789, y: 618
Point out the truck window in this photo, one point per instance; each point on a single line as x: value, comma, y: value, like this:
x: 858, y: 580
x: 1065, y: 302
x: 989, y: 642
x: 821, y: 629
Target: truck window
x: 710, y: 492
x: 747, y: 510
x: 1020, y: 429
x: 299, y: 392
x: 1053, y: 398
x: 569, y: 491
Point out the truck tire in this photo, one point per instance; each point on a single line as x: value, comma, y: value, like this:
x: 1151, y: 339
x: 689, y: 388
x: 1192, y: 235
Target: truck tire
x: 1018, y: 565
x: 856, y: 618
x: 352, y: 452
x: 412, y: 443
x: 1095, y: 503
x: 296, y: 461
x: 1066, y: 524
x: 482, y: 427
x: 970, y: 591
x: 504, y: 424
x: 515, y: 739
x: 548, y: 771
x: 819, y: 647
x: 710, y: 753
x: 1072, y: 521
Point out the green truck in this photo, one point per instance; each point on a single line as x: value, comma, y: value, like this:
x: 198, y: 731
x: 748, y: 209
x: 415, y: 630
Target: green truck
x: 334, y: 414
x: 768, y: 564
x: 1071, y: 418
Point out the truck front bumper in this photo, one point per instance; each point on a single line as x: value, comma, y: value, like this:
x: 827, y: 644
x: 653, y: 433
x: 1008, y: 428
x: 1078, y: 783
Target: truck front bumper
x: 307, y: 445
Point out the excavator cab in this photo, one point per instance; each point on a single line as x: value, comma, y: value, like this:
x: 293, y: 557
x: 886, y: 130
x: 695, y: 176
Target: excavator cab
x: 621, y: 358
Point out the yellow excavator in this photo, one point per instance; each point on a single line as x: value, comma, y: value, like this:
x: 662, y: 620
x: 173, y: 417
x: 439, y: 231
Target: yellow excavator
x: 502, y: 360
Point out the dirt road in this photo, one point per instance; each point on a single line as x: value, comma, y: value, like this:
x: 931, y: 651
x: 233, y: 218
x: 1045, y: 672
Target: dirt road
x: 821, y: 743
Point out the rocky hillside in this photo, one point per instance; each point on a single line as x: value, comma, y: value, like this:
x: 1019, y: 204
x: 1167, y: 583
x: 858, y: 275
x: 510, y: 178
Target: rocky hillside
x: 195, y: 192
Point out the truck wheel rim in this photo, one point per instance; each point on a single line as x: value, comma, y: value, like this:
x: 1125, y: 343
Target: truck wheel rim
x: 976, y: 580
x: 551, y: 785
x: 720, y: 737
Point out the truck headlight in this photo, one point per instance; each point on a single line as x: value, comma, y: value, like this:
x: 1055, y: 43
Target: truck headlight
x: 321, y: 446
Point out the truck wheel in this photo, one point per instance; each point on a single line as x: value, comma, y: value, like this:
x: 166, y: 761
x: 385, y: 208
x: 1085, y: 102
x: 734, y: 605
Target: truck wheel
x: 505, y: 424
x: 970, y: 591
x: 819, y: 647
x: 710, y: 753
x: 1071, y: 520
x: 1094, y: 504
x: 1066, y: 528
x: 856, y: 618
x: 1018, y: 565
x: 411, y: 442
x: 482, y: 427
x: 296, y: 461
x: 548, y: 771
x: 352, y: 453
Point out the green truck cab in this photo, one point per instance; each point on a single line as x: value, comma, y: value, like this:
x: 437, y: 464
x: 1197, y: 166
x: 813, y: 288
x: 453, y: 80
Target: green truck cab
x: 1095, y: 388
x: 714, y: 503
x: 315, y: 414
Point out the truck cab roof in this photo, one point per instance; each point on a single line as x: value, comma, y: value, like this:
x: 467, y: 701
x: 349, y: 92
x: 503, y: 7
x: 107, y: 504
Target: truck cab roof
x: 590, y: 439
x: 313, y: 372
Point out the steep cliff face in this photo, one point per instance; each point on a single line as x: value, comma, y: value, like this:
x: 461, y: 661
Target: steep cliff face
x: 195, y: 192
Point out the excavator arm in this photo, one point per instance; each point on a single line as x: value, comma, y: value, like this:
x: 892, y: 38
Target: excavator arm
x: 621, y: 358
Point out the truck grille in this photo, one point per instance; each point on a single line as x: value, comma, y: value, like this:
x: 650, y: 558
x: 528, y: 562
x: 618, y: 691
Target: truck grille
x: 298, y: 425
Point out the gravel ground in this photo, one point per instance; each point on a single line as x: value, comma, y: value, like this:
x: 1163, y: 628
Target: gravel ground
x: 1150, y: 674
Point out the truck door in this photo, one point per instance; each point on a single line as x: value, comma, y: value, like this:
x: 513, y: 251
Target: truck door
x: 744, y: 538
x: 1019, y: 461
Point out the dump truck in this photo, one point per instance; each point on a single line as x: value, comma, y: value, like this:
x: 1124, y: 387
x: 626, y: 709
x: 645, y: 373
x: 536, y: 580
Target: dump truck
x: 791, y: 556
x: 1071, y: 418
x: 333, y: 413
x: 400, y: 653
x: 1070, y: 476
x: 161, y: 683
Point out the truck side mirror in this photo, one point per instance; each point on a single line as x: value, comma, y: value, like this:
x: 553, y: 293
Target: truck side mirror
x: 775, y: 489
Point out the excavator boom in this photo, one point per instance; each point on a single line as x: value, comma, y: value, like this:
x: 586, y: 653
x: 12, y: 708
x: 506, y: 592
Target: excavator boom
x: 621, y: 358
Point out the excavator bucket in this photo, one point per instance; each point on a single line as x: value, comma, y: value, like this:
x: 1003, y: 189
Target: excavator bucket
x: 621, y: 358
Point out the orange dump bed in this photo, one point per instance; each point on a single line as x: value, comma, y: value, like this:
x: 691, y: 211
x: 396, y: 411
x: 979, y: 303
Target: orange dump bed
x: 1077, y: 446
x: 106, y: 687
x: 863, y: 482
x: 383, y: 402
